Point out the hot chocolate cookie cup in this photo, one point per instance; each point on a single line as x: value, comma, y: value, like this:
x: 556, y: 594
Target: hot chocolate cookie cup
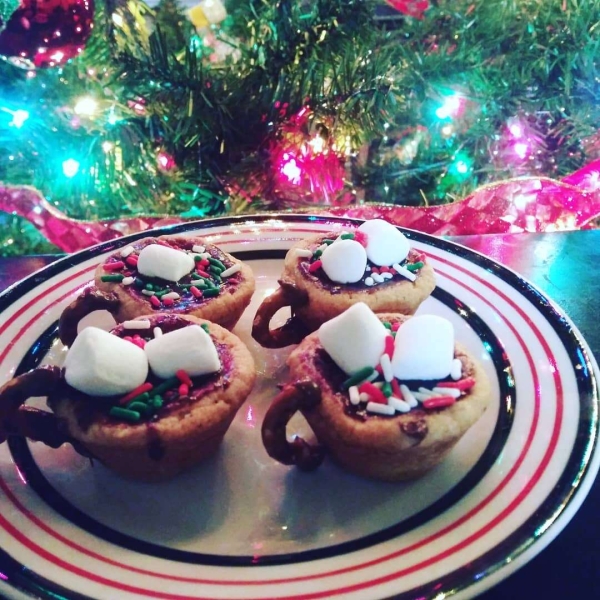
x: 203, y: 292
x: 391, y: 448
x: 313, y: 299
x: 184, y: 431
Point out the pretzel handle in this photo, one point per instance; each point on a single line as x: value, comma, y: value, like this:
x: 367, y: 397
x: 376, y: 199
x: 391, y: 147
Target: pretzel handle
x: 90, y: 300
x: 293, y: 331
x: 295, y: 397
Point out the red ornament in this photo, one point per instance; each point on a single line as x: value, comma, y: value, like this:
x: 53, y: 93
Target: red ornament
x: 46, y: 33
x: 411, y: 8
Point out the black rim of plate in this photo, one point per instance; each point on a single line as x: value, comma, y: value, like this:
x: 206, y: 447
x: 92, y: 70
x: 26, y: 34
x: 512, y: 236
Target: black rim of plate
x: 515, y: 544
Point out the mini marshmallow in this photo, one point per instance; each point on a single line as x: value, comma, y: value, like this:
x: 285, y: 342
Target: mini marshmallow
x: 101, y: 364
x: 424, y: 348
x: 354, y: 339
x: 189, y: 348
x: 156, y: 260
x: 344, y: 261
x: 385, y: 244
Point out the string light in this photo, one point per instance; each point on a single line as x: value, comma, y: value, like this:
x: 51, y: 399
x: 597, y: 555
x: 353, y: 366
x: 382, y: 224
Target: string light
x: 18, y: 117
x: 70, y: 167
x: 86, y: 106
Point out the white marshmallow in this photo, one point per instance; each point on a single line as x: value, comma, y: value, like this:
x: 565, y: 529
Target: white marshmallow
x: 189, y: 348
x: 344, y: 261
x: 355, y: 339
x: 424, y: 348
x: 156, y: 260
x: 101, y: 364
x: 385, y: 244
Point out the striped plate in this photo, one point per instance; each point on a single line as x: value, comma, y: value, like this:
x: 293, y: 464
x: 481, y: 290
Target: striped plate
x: 243, y: 527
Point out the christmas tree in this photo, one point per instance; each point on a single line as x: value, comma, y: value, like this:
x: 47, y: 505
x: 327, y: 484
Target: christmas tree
x: 215, y: 108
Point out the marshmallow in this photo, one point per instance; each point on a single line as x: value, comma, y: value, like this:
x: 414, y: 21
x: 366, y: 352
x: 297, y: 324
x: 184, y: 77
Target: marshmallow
x: 354, y: 339
x: 101, y: 364
x: 424, y: 348
x: 156, y: 260
x: 189, y: 348
x: 344, y: 261
x: 385, y: 244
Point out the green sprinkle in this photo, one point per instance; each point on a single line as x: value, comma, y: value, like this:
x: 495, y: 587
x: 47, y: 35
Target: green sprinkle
x: 139, y: 283
x: 317, y: 253
x: 166, y: 385
x: 211, y: 292
x: 162, y: 293
x: 386, y: 388
x: 156, y: 402
x: 415, y: 266
x: 196, y: 276
x: 124, y: 413
x: 113, y: 278
x: 328, y: 242
x: 216, y: 263
x: 149, y: 286
x: 387, y: 325
x: 143, y: 397
x: 213, y: 269
x: 205, y: 327
x: 358, y: 377
x: 140, y: 407
x: 347, y: 236
x: 197, y: 258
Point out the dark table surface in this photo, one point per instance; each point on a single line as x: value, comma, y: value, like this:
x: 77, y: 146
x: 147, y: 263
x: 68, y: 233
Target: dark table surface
x: 564, y: 266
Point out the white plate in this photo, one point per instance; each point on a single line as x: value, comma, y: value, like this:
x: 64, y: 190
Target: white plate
x: 242, y: 526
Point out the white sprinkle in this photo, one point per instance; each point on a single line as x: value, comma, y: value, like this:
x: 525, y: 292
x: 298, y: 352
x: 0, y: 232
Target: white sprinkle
x: 204, y: 255
x: 128, y: 280
x: 419, y: 396
x: 454, y: 392
x: 399, y: 405
x: 142, y: 324
x: 377, y: 278
x: 148, y: 293
x: 404, y: 272
x: 378, y: 384
x: 354, y: 395
x: 408, y: 396
x: 364, y: 397
x: 374, y: 375
x: 369, y: 281
x: 126, y: 251
x: 171, y: 296
x: 303, y: 253
x: 157, y: 332
x: 387, y: 276
x: 456, y: 369
x: 198, y: 249
x: 386, y: 367
x: 367, y: 268
x: 322, y: 247
x: 427, y: 392
x: 231, y: 270
x: 381, y: 409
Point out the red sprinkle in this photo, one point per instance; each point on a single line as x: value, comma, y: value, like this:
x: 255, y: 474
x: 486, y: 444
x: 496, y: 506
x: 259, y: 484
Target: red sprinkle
x: 184, y: 389
x: 138, y: 341
x: 197, y: 292
x: 132, y: 260
x: 315, y: 266
x: 438, y: 402
x: 462, y: 384
x: 384, y: 269
x: 128, y: 338
x: 379, y: 369
x: 202, y: 272
x: 183, y: 377
x: 395, y: 326
x: 396, y: 389
x: 389, y: 346
x: 168, y: 301
x: 114, y: 266
x: 374, y: 392
x: 361, y: 237
x: 155, y: 301
x: 374, y: 270
x: 140, y: 389
x: 204, y: 262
